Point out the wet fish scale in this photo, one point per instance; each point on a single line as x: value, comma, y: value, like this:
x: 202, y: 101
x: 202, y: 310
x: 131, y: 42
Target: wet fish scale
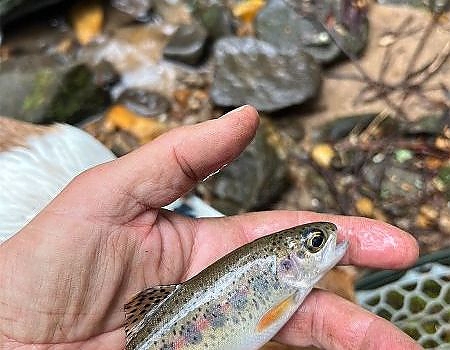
x: 240, y: 301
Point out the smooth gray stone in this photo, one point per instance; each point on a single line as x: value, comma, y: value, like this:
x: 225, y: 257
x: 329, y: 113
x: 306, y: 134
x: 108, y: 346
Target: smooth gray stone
x: 250, y: 71
x: 187, y: 44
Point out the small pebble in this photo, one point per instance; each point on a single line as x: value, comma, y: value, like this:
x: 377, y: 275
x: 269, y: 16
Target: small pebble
x: 322, y: 154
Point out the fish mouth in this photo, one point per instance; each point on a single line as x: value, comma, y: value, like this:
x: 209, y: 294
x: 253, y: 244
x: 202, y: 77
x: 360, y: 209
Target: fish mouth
x: 334, y: 254
x: 339, y: 251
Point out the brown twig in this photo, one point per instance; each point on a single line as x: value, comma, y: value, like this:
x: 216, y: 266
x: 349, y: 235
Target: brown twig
x: 413, y: 80
x: 421, y: 43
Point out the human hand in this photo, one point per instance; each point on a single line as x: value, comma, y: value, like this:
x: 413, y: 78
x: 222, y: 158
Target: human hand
x: 65, y: 277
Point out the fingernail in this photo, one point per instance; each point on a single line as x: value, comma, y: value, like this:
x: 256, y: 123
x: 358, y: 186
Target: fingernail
x: 235, y: 110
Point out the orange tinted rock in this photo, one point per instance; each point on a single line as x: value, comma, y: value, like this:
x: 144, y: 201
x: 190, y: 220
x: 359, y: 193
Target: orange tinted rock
x: 145, y: 129
x: 87, y: 20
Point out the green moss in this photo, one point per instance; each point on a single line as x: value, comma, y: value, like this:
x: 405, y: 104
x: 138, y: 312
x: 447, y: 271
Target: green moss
x: 78, y: 97
x: 44, y: 79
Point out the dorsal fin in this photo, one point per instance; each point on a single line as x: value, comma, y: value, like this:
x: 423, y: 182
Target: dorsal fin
x: 143, y: 304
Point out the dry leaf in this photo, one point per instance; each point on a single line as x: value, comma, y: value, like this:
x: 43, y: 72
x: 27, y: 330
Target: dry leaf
x: 248, y: 9
x: 144, y: 129
x: 87, y: 20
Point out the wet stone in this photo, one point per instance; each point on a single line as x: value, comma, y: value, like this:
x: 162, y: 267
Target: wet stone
x: 26, y: 92
x: 41, y: 89
x: 78, y: 96
x: 351, y: 25
x: 105, y: 74
x: 138, y: 9
x: 254, y: 179
x: 340, y: 128
x: 400, y: 188
x: 428, y: 125
x: 187, y: 44
x: 215, y: 17
x: 283, y: 27
x: 250, y: 71
x: 144, y: 102
x: 373, y: 174
x: 288, y: 22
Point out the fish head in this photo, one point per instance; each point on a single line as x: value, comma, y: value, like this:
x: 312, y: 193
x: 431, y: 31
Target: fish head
x: 309, y: 252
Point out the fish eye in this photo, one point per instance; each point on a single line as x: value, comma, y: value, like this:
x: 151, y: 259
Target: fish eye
x: 316, y: 241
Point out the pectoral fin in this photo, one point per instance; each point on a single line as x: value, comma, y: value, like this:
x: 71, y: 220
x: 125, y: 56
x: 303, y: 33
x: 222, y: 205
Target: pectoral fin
x: 275, y: 313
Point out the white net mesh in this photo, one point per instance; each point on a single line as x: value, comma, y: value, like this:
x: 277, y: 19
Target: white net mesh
x: 418, y: 303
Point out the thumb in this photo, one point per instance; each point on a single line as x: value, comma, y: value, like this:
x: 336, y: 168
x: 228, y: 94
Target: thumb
x: 161, y: 171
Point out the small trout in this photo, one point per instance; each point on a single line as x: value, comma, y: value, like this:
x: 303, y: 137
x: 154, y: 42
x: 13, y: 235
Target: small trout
x: 239, y: 302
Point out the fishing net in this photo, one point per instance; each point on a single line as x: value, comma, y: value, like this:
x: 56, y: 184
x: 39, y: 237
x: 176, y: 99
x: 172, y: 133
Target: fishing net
x: 418, y: 303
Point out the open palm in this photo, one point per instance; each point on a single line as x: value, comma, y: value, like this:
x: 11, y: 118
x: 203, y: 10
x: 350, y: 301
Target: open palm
x: 65, y: 277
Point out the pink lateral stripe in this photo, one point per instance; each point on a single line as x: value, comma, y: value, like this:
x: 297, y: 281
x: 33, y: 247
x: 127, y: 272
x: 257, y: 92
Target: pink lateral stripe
x: 202, y: 324
x: 179, y: 343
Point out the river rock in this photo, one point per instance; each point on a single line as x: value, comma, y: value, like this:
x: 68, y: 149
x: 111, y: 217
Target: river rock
x: 186, y: 44
x: 279, y: 25
x: 105, y: 74
x: 144, y: 102
x: 282, y: 24
x: 77, y: 96
x: 431, y: 125
x: 251, y: 71
x: 255, y: 178
x: 399, y: 186
x: 215, y: 17
x: 138, y: 9
x: 41, y: 89
x: 336, y: 130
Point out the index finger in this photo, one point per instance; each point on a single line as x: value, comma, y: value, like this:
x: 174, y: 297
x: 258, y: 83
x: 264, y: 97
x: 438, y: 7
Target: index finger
x: 372, y: 243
